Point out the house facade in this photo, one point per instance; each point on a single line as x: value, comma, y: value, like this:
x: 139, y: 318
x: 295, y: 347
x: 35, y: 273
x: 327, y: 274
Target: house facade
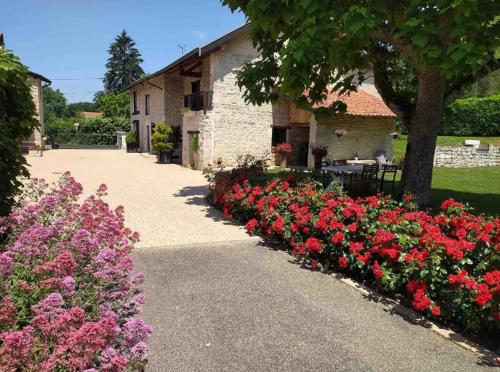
x: 37, y: 82
x: 198, y: 92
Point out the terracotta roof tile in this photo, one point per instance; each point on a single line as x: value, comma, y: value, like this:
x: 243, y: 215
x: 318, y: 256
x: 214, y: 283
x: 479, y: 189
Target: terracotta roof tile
x: 360, y: 103
x: 90, y: 114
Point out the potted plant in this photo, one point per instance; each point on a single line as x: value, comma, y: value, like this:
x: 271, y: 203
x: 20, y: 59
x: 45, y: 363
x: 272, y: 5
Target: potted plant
x: 319, y: 152
x: 162, y: 141
x: 36, y: 150
x: 131, y: 141
x: 282, y: 150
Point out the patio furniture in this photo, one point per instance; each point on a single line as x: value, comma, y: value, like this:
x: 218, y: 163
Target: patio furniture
x: 341, y: 172
x: 339, y: 162
x: 390, y: 171
x: 368, y: 176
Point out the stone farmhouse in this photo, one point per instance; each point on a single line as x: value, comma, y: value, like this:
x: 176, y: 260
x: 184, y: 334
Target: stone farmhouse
x: 199, y: 93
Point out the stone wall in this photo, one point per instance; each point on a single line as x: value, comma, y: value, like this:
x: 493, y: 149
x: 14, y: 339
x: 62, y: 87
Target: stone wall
x: 37, y: 95
x: 156, y: 108
x: 234, y: 128
x: 467, y: 156
x: 365, y: 135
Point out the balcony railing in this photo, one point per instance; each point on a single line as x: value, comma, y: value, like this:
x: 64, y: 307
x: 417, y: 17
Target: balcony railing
x: 198, y: 101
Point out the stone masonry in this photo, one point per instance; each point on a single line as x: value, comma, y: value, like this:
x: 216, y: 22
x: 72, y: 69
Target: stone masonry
x: 467, y: 156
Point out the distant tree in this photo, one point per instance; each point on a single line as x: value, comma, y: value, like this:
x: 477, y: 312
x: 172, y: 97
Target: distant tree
x: 17, y: 122
x: 316, y: 45
x: 76, y: 107
x: 97, y: 99
x: 124, y: 64
x: 115, y: 105
x: 54, y: 104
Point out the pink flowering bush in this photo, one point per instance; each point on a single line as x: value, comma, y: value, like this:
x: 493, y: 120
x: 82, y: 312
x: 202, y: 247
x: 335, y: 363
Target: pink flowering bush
x: 68, y: 299
x: 445, y: 265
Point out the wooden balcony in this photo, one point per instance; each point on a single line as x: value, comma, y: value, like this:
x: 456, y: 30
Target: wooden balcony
x: 198, y: 101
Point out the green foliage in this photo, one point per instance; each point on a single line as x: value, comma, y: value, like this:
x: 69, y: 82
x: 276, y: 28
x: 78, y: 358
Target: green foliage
x: 97, y: 99
x: 17, y: 122
x: 488, y: 85
x: 165, y: 138
x: 314, y: 44
x: 75, y: 108
x: 115, y: 105
x: 131, y: 138
x: 54, y: 104
x: 124, y: 64
x: 195, y: 144
x: 473, y: 117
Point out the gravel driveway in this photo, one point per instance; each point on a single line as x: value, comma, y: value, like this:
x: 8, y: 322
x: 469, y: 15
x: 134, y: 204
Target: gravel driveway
x: 163, y: 202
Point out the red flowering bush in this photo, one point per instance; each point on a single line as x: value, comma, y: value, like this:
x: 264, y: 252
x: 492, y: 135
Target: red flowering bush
x: 282, y: 148
x: 68, y: 299
x: 445, y: 265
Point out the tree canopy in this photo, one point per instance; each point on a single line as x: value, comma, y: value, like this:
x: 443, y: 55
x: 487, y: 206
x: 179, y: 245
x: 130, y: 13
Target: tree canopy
x: 124, y: 64
x: 17, y: 122
x: 54, y: 104
x: 421, y: 53
x: 115, y: 105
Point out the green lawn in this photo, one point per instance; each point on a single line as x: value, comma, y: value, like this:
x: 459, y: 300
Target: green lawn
x: 400, y: 143
x: 480, y: 187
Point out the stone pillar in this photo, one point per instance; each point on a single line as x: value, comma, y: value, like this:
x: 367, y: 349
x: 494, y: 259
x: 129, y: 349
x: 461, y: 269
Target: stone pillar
x: 312, y: 140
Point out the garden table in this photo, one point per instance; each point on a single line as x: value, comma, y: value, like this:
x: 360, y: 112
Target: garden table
x: 342, y: 171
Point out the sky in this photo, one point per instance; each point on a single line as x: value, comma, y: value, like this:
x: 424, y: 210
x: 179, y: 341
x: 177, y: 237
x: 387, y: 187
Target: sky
x: 69, y: 39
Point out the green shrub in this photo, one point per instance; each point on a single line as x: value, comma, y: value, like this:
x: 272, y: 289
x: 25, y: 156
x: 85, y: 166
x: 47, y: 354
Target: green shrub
x: 17, y: 123
x: 473, y: 117
x: 163, y: 138
x: 130, y: 138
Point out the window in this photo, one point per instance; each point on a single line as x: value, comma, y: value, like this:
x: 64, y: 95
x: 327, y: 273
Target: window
x: 279, y: 135
x: 196, y: 86
x: 135, y: 102
x: 146, y: 104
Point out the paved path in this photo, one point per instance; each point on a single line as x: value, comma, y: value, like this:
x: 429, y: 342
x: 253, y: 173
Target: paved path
x: 234, y: 305
x: 238, y: 306
x: 163, y: 202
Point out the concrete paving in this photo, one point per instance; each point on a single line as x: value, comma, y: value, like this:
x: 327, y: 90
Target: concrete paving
x: 163, y: 202
x: 238, y: 306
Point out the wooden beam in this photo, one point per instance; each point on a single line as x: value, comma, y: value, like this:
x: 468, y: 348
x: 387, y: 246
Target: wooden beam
x: 191, y: 74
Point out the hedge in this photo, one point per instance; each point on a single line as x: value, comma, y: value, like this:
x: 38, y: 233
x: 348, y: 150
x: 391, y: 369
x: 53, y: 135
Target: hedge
x: 473, y: 117
x: 445, y: 266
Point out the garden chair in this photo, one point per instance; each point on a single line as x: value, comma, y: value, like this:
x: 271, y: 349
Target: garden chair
x: 367, y: 177
x: 390, y: 172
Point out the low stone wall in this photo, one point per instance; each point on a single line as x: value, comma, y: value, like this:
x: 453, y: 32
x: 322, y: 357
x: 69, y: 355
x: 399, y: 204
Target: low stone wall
x: 467, y: 156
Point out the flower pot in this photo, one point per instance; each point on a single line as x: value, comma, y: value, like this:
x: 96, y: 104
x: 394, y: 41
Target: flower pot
x: 164, y: 157
x: 37, y: 153
x: 282, y: 160
x: 131, y: 147
x: 317, y: 161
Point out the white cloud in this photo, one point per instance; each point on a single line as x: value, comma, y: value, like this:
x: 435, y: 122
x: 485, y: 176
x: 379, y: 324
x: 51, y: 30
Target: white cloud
x: 200, y: 35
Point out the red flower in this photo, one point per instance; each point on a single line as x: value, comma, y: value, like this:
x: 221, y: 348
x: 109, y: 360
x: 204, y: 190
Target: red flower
x: 321, y: 225
x: 420, y: 300
x: 461, y: 233
x: 314, y: 264
x: 436, y: 311
x: 377, y: 270
x: 278, y: 224
x: 251, y: 225
x: 352, y: 227
x: 492, y: 278
x: 343, y: 262
x: 337, y: 238
x: 314, y: 245
x: 483, y: 295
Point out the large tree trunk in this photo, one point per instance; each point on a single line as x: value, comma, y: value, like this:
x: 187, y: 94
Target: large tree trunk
x: 423, y: 128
